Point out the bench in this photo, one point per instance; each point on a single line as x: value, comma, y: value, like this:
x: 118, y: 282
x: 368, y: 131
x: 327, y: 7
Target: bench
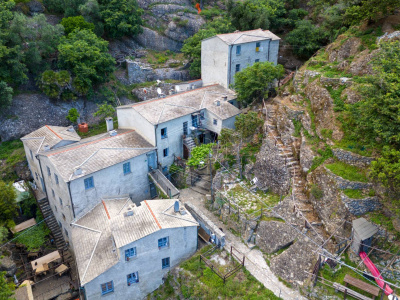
x: 373, y: 290
x: 347, y: 291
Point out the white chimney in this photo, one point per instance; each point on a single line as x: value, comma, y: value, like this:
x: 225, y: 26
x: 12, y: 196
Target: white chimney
x: 70, y: 129
x: 113, y: 133
x: 46, y: 147
x: 176, y: 206
x: 110, y: 123
x: 217, y: 102
x: 78, y: 172
x: 224, y: 97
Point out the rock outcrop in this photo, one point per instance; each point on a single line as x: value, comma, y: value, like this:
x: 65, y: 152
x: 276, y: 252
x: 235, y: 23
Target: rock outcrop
x: 273, y: 236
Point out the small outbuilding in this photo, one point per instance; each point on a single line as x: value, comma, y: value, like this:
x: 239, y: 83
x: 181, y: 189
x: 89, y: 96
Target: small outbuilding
x: 362, y: 234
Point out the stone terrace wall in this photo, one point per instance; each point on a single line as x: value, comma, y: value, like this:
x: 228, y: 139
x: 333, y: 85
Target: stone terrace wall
x: 358, y: 207
x: 352, y: 158
x: 347, y: 184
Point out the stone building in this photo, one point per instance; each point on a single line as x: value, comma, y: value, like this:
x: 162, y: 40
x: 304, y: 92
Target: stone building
x: 223, y: 55
x: 172, y: 123
x: 123, y: 250
x: 75, y: 174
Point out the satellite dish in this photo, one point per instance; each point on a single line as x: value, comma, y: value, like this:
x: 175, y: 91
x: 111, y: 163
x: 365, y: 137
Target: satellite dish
x: 159, y: 91
x: 145, y: 91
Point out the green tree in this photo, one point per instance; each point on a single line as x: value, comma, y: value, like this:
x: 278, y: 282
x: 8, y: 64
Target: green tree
x: 37, y: 40
x: 73, y: 115
x: 121, y: 17
x: 3, y: 235
x: 6, y: 289
x: 105, y: 110
x: 192, y: 45
x: 254, y: 83
x: 53, y: 84
x: 78, y: 22
x: 247, y: 124
x: 86, y: 57
x: 370, y: 10
x: 8, y: 204
x: 200, y: 154
x: 306, y: 39
x: 91, y: 12
x: 5, y: 95
x: 254, y: 14
x: 386, y: 169
x: 377, y: 116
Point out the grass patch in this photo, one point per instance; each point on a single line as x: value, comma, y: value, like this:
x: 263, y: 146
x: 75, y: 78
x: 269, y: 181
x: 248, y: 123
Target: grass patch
x: 336, y: 96
x: 353, y: 146
x: 12, y: 152
x: 268, y: 219
x: 319, y: 160
x: 348, y: 172
x: 354, y: 194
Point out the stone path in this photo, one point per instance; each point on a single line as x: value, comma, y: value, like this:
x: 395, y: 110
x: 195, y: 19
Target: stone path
x: 254, y: 262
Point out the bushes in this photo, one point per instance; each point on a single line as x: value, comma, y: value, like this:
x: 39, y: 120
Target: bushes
x: 78, y: 22
x: 53, y: 84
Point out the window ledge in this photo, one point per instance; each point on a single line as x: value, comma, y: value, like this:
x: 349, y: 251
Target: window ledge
x: 162, y: 248
x: 131, y: 258
x: 107, y: 294
x: 128, y: 173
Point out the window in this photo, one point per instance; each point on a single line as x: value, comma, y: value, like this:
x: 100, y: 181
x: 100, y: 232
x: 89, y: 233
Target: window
x: 165, y: 152
x: 31, y: 154
x: 258, y: 44
x: 238, y: 50
x: 237, y: 69
x: 56, y: 178
x: 48, y: 171
x: 194, y: 121
x: 107, y: 287
x: 63, y: 216
x: 89, y: 183
x: 165, y: 262
x: 164, y: 133
x: 202, y: 115
x: 59, y: 224
x: 163, y: 242
x: 52, y: 192
x: 185, y: 128
x: 132, y: 278
x: 215, y: 122
x: 55, y: 207
x: 66, y: 232
x: 257, y: 60
x: 127, y: 168
x: 129, y: 253
x: 36, y: 175
x: 61, y: 203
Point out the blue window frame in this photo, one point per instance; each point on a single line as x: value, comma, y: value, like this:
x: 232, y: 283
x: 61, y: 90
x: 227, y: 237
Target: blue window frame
x: 257, y: 60
x: 129, y: 253
x: 165, y: 262
x: 31, y: 154
x: 215, y: 122
x: 52, y: 192
x: 237, y: 68
x: 107, y: 287
x: 127, y: 168
x: 238, y: 50
x: 89, y: 183
x: 165, y: 152
x: 61, y: 203
x: 132, y: 278
x: 185, y: 128
x: 194, y: 121
x: 56, y: 178
x: 59, y: 224
x: 164, y: 134
x: 163, y: 242
x: 48, y: 171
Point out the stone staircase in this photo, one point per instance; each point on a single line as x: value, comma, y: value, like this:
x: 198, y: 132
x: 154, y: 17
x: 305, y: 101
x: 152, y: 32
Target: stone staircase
x: 302, y: 206
x: 189, y: 142
x: 52, y: 224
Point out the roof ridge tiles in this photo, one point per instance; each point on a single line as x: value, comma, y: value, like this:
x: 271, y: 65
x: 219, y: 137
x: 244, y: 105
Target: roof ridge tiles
x: 48, y: 127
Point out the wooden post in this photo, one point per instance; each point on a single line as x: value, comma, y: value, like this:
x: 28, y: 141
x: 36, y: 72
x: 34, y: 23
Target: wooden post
x: 383, y: 291
x: 345, y: 294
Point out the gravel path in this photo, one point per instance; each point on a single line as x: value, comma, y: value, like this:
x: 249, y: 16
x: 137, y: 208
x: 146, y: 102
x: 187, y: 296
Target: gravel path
x: 254, y: 262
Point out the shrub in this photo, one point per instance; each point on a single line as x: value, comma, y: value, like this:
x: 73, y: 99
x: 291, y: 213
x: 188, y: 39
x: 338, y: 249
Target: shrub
x: 78, y: 22
x: 316, y: 191
x: 73, y: 115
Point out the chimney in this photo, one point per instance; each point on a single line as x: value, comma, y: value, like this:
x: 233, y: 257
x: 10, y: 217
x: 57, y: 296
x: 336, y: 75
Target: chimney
x: 110, y: 123
x: 225, y: 97
x: 78, y: 172
x: 70, y: 129
x: 46, y: 147
x: 113, y: 132
x: 176, y: 206
x: 217, y: 102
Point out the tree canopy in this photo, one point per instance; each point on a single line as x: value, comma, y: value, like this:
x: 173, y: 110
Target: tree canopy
x: 8, y: 204
x: 77, y: 22
x: 254, y: 82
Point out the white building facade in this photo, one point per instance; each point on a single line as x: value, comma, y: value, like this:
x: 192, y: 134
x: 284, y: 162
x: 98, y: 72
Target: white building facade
x: 223, y: 55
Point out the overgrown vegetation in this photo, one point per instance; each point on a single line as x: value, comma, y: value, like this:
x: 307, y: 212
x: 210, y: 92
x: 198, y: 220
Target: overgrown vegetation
x: 348, y: 172
x: 12, y: 153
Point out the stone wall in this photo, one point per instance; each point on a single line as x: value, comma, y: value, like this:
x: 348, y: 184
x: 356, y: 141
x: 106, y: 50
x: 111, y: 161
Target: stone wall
x: 269, y: 168
x: 347, y: 184
x: 352, y: 158
x: 273, y: 236
x: 359, y: 207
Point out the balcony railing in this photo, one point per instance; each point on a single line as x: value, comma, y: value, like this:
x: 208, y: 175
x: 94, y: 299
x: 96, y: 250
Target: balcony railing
x: 163, y: 184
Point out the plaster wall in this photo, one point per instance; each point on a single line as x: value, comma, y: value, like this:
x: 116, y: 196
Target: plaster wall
x: 128, y: 118
x: 182, y: 245
x: 214, y: 62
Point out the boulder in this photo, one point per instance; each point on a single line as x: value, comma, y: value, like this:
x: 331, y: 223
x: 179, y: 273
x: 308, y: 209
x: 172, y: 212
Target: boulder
x: 361, y: 65
x: 273, y: 236
x: 344, y: 50
x: 7, y: 265
x: 153, y: 40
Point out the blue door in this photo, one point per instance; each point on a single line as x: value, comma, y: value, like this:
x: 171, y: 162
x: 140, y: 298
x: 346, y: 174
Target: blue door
x: 151, y: 161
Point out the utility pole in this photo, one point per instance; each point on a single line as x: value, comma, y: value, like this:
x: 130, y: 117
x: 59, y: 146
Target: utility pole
x: 211, y: 177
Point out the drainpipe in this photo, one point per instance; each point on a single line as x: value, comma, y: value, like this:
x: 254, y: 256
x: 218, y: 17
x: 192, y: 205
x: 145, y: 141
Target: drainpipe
x: 70, y: 197
x: 155, y: 139
x: 269, y: 47
x: 41, y: 173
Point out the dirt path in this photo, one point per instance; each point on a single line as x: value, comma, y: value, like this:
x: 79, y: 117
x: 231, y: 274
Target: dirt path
x: 255, y: 262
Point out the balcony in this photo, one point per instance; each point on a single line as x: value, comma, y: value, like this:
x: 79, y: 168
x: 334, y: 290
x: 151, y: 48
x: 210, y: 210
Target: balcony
x: 163, y: 184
